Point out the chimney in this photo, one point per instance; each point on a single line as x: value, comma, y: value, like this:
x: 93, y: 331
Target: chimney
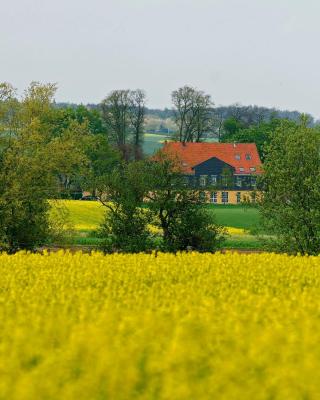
x: 234, y: 145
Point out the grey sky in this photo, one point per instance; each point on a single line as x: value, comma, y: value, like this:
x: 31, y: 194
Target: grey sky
x: 263, y: 52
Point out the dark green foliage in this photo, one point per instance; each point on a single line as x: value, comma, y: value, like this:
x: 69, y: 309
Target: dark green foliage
x: 125, y: 230
x: 231, y: 128
x: 125, y: 227
x: 290, y: 205
x: 178, y: 210
x: 102, y: 160
x: 26, y: 179
x: 193, y: 228
x: 260, y: 134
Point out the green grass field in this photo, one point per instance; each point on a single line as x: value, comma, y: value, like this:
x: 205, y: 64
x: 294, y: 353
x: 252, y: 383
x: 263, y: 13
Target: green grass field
x: 153, y: 142
x: 85, y: 217
x: 236, y: 216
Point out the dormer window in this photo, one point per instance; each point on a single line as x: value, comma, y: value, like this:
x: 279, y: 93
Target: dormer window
x: 241, y: 169
x: 248, y: 156
x: 237, y: 157
x: 252, y: 169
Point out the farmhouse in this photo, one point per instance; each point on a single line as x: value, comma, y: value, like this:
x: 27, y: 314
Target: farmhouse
x: 225, y: 172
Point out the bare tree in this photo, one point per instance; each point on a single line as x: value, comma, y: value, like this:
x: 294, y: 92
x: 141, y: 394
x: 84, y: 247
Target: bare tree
x: 124, y: 112
x: 217, y: 122
x: 137, y: 100
x: 115, y: 112
x: 192, y: 113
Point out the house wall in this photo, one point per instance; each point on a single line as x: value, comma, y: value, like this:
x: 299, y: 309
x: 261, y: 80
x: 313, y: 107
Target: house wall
x: 233, y: 196
x: 225, y: 178
x: 213, y: 166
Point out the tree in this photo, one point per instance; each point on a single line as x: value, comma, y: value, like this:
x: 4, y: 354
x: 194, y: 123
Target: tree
x: 260, y: 134
x: 125, y: 226
x: 124, y: 112
x: 154, y: 191
x: 102, y: 160
x: 26, y: 181
x: 217, y: 122
x: 137, y: 118
x: 290, y: 204
x: 69, y: 161
x: 179, y: 211
x: 192, y: 113
x: 115, y: 111
x: 34, y: 153
x: 231, y: 127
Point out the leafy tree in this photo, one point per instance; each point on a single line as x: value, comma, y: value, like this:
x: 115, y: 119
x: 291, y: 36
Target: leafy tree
x: 26, y: 180
x: 68, y: 159
x: 102, y: 160
x: 125, y: 226
x: 93, y: 117
x: 38, y: 159
x: 260, y: 134
x: 290, y: 204
x: 231, y: 127
x: 178, y: 210
x: 168, y: 203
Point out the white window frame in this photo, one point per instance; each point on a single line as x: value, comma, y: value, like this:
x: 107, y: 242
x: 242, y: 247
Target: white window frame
x: 203, y: 180
x: 214, y: 197
x: 213, y: 179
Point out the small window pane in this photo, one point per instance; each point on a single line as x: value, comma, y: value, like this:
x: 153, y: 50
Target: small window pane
x: 213, y: 179
x: 214, y: 197
x: 203, y: 180
x: 225, y: 197
x: 238, y: 197
x: 248, y: 156
x: 237, y: 157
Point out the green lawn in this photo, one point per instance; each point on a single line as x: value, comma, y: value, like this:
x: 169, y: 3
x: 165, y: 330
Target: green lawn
x: 236, y: 216
x: 153, y: 142
x: 85, y: 217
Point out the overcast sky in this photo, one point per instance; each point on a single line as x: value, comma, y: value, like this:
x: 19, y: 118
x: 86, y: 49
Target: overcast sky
x: 263, y: 52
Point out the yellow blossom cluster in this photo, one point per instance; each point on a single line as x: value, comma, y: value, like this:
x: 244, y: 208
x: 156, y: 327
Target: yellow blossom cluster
x: 159, y: 326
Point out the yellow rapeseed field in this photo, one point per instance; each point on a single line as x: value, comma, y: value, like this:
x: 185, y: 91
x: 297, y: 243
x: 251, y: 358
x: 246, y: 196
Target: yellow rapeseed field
x: 191, y: 326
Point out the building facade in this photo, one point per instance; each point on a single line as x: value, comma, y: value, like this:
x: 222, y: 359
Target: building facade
x: 225, y: 173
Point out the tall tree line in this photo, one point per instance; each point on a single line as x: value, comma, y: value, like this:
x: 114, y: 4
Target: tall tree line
x: 123, y: 112
x: 44, y: 153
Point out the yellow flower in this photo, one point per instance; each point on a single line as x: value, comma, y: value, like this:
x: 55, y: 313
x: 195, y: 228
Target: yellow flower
x: 159, y: 326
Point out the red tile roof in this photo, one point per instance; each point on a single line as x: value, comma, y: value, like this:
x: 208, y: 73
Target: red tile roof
x: 192, y: 154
